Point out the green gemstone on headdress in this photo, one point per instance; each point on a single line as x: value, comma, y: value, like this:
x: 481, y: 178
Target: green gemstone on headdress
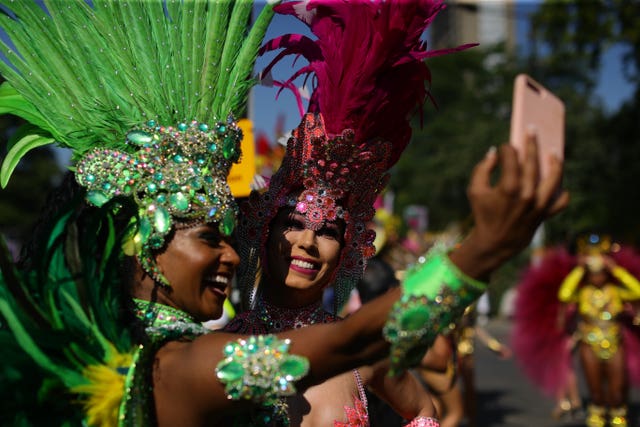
x: 144, y: 229
x: 139, y: 137
x: 156, y: 242
x: 152, y: 187
x: 222, y: 128
x: 195, y: 183
x: 182, y: 127
x: 213, y: 147
x: 231, y: 371
x: 97, y: 198
x: 179, y: 201
x: 229, y: 147
x: 161, y: 220
x: 228, y: 223
x: 203, y: 127
x: 151, y: 123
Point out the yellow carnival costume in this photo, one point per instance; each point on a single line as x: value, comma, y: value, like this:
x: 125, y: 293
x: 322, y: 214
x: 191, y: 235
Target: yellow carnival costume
x: 599, y: 306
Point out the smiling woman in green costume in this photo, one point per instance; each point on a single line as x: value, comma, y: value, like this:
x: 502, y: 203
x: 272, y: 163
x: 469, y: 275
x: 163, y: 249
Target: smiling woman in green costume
x: 145, y: 94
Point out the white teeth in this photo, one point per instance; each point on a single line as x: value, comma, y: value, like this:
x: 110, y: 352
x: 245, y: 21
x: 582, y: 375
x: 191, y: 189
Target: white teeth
x: 302, y: 264
x: 218, y: 279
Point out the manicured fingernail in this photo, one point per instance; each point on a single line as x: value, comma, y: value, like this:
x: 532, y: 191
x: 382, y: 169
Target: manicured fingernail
x: 491, y: 152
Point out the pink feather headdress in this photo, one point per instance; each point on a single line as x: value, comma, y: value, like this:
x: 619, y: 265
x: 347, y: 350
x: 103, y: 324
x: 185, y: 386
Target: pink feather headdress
x: 368, y: 77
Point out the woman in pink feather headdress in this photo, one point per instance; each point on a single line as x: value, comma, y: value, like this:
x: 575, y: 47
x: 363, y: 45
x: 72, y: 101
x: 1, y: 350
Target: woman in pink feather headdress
x: 582, y: 302
x: 308, y: 230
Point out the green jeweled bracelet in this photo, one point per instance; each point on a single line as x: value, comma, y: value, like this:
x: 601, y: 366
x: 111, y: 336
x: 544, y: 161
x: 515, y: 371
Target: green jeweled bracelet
x: 260, y: 369
x: 435, y: 295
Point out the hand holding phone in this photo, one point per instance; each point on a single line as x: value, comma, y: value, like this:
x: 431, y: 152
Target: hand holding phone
x: 537, y: 109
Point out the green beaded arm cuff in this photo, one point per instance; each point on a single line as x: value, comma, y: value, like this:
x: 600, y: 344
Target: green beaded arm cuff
x: 260, y: 369
x: 435, y: 295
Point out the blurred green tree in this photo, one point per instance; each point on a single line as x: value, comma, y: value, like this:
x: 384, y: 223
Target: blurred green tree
x: 569, y: 41
x: 473, y: 93
x: 473, y: 104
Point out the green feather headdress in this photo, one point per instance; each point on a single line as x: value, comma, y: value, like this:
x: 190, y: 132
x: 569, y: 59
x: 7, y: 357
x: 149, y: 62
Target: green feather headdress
x: 143, y: 92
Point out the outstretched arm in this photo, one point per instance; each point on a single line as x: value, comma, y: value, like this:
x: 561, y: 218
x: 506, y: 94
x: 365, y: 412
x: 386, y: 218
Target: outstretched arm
x: 185, y: 382
x: 506, y: 216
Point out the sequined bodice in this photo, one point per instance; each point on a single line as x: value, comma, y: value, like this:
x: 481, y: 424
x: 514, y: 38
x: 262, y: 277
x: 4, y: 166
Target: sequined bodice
x: 600, y: 304
x: 162, y: 324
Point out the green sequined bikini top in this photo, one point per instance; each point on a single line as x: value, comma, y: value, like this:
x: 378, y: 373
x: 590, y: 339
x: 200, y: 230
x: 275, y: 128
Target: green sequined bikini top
x: 163, y: 321
x: 162, y: 324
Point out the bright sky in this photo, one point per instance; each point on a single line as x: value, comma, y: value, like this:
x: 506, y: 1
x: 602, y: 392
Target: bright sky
x: 265, y: 109
x: 612, y: 87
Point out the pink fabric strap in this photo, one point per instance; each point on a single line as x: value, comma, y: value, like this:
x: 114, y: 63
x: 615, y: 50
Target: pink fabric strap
x: 423, y: 422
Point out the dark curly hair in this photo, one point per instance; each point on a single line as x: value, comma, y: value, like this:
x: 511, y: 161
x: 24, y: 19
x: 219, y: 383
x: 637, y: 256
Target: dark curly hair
x: 68, y: 199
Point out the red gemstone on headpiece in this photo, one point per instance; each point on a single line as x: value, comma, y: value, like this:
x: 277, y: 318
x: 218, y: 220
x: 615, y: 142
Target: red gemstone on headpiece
x: 301, y: 207
x: 368, y: 251
x: 315, y: 215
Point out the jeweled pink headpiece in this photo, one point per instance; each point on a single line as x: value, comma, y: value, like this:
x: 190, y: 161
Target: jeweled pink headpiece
x: 369, y: 77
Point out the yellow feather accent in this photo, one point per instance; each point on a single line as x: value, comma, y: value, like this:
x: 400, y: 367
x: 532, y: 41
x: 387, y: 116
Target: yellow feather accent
x: 104, y: 389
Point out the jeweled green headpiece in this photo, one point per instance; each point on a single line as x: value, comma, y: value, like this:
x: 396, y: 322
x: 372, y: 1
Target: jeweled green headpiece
x: 143, y: 92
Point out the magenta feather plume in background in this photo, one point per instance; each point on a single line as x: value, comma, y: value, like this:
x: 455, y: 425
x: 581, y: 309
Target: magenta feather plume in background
x: 367, y: 62
x: 540, y: 344
x: 629, y: 258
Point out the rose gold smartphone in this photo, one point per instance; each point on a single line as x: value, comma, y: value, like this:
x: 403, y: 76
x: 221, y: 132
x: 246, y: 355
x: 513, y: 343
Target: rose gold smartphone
x: 537, y: 108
